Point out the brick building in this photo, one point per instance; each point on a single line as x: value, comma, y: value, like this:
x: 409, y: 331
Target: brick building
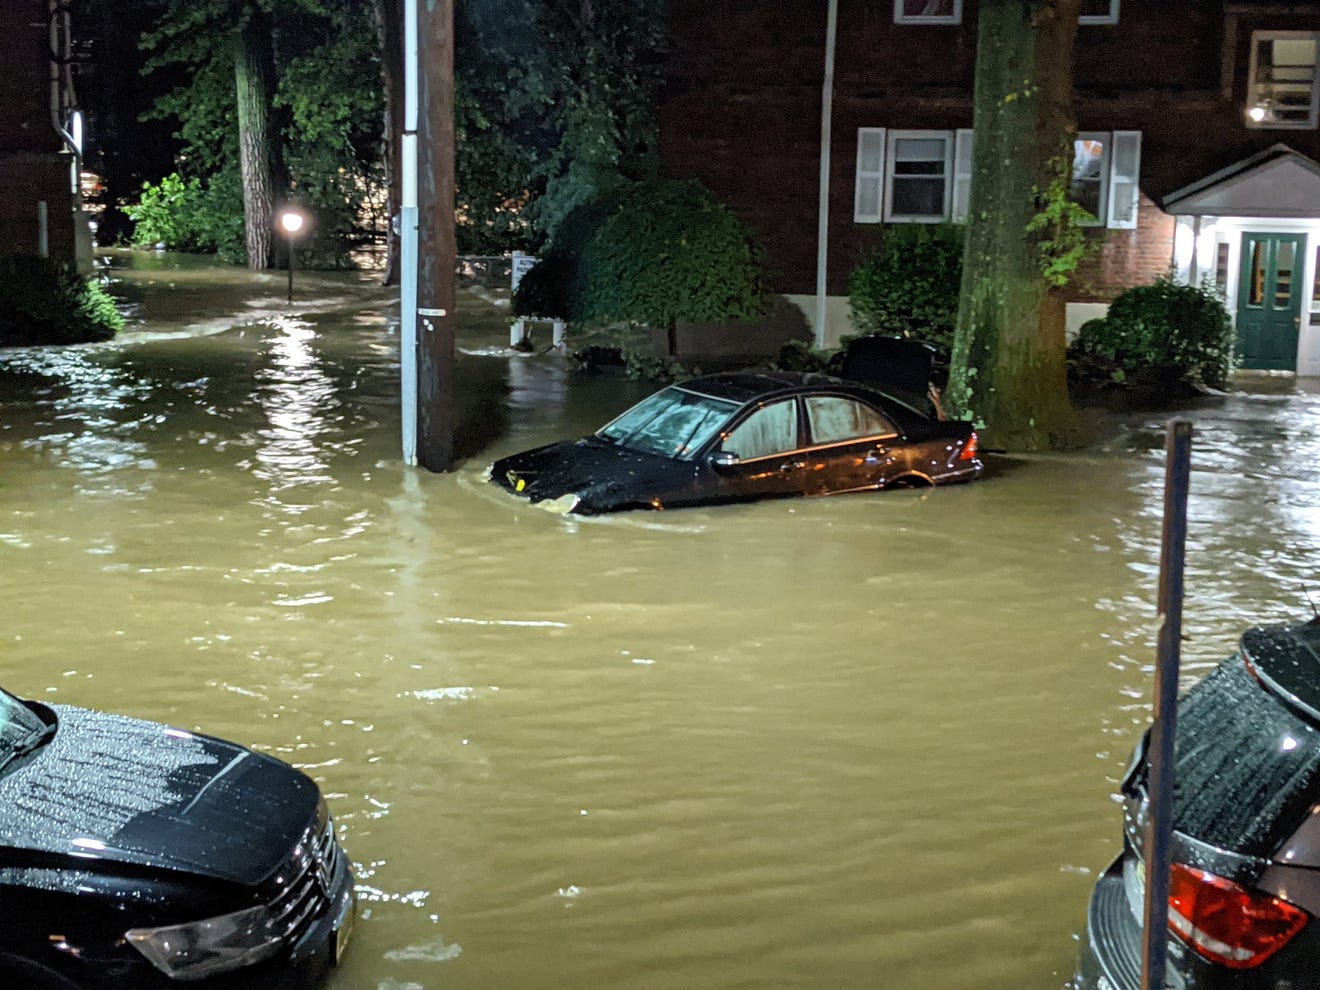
x: 39, y: 203
x: 1197, y: 143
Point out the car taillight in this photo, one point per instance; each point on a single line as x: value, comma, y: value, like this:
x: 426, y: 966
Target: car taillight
x: 1228, y: 924
x: 969, y: 449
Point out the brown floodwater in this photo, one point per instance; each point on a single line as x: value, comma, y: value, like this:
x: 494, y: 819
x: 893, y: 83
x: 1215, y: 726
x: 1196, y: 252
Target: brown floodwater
x: 852, y: 742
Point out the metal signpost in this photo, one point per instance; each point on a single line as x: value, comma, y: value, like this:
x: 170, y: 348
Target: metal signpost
x: 1159, y: 815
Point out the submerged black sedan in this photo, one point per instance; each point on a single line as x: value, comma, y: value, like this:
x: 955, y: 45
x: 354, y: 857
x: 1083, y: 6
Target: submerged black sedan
x: 737, y: 437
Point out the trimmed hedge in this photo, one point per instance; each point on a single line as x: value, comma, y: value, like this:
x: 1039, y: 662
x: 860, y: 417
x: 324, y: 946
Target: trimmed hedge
x: 1158, y: 336
x: 652, y: 253
x: 909, y: 287
x: 45, y: 303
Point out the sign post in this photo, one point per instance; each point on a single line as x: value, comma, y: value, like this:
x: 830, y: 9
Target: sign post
x: 1159, y: 816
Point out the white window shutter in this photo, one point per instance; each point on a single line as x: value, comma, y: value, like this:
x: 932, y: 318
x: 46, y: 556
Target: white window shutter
x: 868, y: 198
x: 962, y: 174
x: 1124, y: 179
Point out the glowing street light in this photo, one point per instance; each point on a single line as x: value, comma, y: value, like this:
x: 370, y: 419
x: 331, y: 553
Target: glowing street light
x: 291, y: 221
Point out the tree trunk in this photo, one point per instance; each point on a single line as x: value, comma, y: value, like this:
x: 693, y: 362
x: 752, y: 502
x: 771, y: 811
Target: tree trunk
x: 389, y: 32
x: 436, y: 247
x: 1008, y: 370
x: 259, y: 158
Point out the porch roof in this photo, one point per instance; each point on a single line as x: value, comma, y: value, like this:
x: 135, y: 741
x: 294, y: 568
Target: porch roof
x: 1276, y: 182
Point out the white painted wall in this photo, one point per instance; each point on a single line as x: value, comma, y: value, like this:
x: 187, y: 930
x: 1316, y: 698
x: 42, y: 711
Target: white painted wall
x: 1078, y: 313
x: 838, y: 322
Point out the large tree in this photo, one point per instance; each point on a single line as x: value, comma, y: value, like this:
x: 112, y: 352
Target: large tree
x: 1008, y: 368
x: 274, y: 98
x: 555, y: 103
x: 260, y: 155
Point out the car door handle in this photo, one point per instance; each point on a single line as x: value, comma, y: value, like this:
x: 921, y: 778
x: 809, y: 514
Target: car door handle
x: 792, y: 466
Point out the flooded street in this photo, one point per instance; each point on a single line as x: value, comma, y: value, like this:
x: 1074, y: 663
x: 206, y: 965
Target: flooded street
x: 857, y: 742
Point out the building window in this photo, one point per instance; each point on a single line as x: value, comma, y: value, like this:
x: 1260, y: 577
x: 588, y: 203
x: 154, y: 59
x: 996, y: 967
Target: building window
x: 1099, y: 12
x: 1221, y: 269
x: 1106, y: 169
x: 1315, y: 284
x: 1282, y: 90
x: 918, y: 165
x: 927, y: 11
x: 926, y: 176
x: 1090, y: 178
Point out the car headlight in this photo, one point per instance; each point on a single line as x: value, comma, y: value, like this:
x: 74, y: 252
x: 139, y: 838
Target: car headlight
x: 204, y: 948
x: 564, y: 504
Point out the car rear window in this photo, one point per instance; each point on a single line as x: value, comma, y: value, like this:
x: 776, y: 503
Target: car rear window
x: 1247, y: 768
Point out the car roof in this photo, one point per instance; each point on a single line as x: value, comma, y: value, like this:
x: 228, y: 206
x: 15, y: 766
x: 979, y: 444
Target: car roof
x: 747, y: 386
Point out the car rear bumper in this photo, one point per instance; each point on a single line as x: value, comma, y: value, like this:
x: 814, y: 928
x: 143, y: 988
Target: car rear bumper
x: 1111, y: 950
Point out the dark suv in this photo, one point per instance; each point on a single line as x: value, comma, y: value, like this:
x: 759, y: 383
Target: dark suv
x: 133, y: 855
x: 1244, y: 891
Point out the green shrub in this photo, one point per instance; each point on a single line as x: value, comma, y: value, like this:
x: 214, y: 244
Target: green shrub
x: 1159, y: 335
x: 185, y: 215
x: 802, y: 355
x: 909, y: 287
x: 652, y: 253
x: 45, y: 303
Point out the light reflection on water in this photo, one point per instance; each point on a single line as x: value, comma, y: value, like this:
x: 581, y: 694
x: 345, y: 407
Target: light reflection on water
x: 846, y: 742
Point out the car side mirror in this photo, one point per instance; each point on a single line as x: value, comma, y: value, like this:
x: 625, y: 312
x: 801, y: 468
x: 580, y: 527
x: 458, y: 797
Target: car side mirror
x: 723, y: 459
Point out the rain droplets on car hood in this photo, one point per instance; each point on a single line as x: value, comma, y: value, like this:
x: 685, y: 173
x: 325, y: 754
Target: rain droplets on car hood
x: 111, y: 787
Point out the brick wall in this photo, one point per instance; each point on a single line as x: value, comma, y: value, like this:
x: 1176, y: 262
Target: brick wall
x: 742, y: 112
x: 1121, y: 259
x: 24, y: 78
x: 25, y: 179
x: 32, y: 168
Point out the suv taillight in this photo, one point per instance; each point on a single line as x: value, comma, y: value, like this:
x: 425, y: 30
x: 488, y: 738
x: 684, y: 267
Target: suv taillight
x: 1228, y: 924
x: 968, y: 452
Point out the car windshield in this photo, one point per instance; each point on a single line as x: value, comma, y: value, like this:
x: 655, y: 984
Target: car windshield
x: 18, y: 724
x: 674, y: 422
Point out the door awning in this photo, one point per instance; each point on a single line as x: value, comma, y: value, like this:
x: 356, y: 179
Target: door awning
x: 1276, y: 182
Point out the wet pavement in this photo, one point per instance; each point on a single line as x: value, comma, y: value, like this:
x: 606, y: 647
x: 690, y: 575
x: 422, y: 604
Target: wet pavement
x: 864, y: 741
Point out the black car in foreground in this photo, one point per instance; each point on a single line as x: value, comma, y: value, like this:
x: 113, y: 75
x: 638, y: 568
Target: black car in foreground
x: 737, y: 437
x: 137, y: 856
x: 1245, y: 883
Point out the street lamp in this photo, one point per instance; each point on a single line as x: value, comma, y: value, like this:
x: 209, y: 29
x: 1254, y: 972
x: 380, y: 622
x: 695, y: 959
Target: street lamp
x: 291, y: 222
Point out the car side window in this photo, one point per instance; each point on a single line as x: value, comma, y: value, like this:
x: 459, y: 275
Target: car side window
x: 772, y: 430
x: 834, y: 418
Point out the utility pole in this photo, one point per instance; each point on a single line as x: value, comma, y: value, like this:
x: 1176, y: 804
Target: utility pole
x: 428, y: 331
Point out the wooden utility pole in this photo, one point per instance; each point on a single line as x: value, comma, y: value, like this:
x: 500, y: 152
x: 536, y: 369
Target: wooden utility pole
x: 436, y: 244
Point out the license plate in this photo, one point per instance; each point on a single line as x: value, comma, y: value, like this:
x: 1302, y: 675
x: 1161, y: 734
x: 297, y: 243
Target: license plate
x: 344, y: 932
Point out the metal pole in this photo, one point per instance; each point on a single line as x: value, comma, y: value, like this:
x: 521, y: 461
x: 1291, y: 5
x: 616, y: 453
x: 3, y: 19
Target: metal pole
x: 823, y: 224
x: 288, y: 242
x: 408, y: 239
x: 1159, y: 816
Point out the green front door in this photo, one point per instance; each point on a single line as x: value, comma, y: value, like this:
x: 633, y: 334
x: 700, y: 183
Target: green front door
x: 1269, y: 301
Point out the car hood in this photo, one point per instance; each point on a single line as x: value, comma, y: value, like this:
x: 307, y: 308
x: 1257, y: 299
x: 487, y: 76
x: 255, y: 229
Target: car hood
x: 113, y: 788
x: 605, y: 475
